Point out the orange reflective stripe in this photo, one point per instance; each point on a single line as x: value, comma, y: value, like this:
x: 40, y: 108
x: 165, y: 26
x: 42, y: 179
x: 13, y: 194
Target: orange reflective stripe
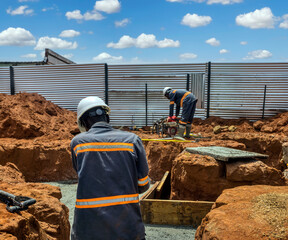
x: 101, y: 147
x: 143, y: 181
x: 101, y: 143
x: 106, y: 204
x: 172, y: 102
x: 107, y: 201
x: 106, y: 198
x: 103, y: 150
x: 174, y: 91
x: 182, y: 122
x: 182, y: 99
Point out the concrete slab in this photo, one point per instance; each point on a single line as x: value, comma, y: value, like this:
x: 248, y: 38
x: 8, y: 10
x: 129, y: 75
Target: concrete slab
x: 225, y: 153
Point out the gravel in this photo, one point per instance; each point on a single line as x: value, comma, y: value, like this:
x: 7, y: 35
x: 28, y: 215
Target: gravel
x: 153, y: 232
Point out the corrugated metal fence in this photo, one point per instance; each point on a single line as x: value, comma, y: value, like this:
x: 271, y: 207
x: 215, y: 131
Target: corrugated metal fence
x: 65, y: 85
x: 236, y: 89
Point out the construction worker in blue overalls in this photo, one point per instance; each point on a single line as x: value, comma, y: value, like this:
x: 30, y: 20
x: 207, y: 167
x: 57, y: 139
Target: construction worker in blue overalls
x: 112, y: 171
x: 187, y: 101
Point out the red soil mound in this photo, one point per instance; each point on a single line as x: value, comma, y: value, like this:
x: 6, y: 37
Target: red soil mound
x: 29, y: 115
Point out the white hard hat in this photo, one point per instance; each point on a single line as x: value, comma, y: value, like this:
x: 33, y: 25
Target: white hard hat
x: 86, y: 104
x: 165, y: 90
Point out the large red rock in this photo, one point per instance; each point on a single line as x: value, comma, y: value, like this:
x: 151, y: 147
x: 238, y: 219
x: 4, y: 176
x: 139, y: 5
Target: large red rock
x: 47, y: 219
x: 254, y: 171
x: 200, y: 177
x: 247, y: 213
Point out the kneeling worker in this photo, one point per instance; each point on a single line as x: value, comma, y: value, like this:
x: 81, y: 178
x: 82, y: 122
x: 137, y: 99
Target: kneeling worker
x: 112, y: 170
x: 187, y: 101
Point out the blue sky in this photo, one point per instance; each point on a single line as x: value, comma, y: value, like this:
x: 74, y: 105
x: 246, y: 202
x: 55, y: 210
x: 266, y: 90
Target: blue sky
x: 145, y: 31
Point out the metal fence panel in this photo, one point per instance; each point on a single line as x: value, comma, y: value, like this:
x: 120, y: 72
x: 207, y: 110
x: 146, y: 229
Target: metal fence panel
x: 64, y: 85
x: 4, y: 80
x: 127, y: 90
x: 237, y: 89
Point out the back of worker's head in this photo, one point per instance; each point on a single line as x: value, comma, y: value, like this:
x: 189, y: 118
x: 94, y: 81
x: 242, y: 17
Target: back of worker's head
x: 166, y: 91
x: 91, y: 110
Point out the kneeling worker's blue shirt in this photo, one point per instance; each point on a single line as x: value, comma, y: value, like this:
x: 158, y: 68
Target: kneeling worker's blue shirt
x: 112, y: 170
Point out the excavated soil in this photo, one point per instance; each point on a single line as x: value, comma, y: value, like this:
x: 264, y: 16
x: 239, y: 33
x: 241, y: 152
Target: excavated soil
x: 35, y: 135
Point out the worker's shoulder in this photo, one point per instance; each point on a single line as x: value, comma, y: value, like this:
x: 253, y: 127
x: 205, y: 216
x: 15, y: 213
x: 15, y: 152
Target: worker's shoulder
x: 78, y: 136
x: 126, y: 134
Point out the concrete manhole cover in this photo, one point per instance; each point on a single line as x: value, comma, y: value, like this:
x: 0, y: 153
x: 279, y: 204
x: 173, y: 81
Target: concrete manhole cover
x: 224, y: 153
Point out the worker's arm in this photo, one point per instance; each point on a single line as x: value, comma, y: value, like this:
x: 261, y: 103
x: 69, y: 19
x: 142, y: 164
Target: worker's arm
x: 74, y: 161
x: 172, y: 96
x: 171, y: 109
x: 177, y: 110
x: 142, y: 166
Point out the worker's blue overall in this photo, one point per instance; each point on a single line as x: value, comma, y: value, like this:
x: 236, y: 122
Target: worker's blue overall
x: 112, y: 170
x: 187, y: 101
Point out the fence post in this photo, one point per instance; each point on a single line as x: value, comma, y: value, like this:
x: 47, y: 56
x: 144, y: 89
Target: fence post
x: 146, y: 103
x: 208, y: 90
x: 264, y: 101
x: 188, y: 82
x: 12, y: 81
x: 106, y: 84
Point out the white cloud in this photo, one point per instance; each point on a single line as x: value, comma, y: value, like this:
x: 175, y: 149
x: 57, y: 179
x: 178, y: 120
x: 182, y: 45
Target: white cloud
x: 16, y: 37
x: 168, y: 43
x: 54, y: 43
x: 122, y: 23
x: 107, y: 57
x: 213, y: 42
x: 107, y: 6
x: 243, y: 43
x: 258, y: 54
x: 193, y: 20
x: 124, y: 42
x: 22, y: 10
x: 69, y: 33
x: 224, y: 2
x: 222, y: 51
x: 30, y: 55
x: 143, y: 41
x: 188, y: 56
x: 262, y: 18
x: 174, y: 0
x: 284, y: 24
x: 76, y: 14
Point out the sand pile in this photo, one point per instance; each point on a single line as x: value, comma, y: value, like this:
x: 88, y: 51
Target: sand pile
x: 29, y: 115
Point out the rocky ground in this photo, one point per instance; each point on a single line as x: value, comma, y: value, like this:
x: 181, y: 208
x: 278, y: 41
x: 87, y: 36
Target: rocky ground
x: 35, y: 135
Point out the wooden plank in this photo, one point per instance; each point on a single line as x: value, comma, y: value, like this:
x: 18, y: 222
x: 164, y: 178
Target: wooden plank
x: 174, y: 212
x: 150, y: 194
x: 160, y: 186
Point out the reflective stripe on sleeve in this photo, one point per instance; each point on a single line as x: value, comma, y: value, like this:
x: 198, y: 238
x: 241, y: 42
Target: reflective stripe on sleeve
x: 182, y: 99
x: 172, y: 102
x: 107, y: 201
x: 103, y: 146
x: 143, y: 181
